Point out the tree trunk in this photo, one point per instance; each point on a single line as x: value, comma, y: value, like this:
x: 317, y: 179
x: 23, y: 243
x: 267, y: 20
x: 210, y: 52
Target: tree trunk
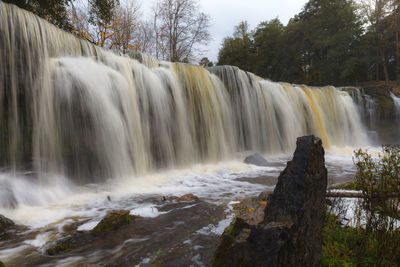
x: 377, y: 64
x: 385, y: 69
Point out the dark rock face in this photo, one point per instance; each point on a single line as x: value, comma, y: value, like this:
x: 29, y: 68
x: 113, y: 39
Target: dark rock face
x: 291, y: 233
x: 5, y: 223
x: 256, y: 159
x: 377, y: 90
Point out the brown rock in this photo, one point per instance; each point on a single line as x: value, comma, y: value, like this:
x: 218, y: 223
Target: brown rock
x: 187, y: 197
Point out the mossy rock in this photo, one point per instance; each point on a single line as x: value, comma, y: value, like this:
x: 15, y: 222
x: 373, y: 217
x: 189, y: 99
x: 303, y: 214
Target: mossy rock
x: 112, y: 221
x: 2, y: 264
x: 230, y: 236
x: 65, y: 245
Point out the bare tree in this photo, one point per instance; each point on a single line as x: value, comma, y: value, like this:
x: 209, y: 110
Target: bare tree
x: 114, y: 25
x: 145, y: 39
x: 180, y: 29
x: 125, y: 26
x: 80, y: 20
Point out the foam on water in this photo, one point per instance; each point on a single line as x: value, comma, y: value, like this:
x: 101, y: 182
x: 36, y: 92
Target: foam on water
x: 148, y: 210
x: 217, y: 183
x: 58, y: 204
x: 85, y: 206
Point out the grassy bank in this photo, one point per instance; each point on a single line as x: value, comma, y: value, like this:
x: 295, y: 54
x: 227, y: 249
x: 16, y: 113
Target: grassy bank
x: 371, y: 237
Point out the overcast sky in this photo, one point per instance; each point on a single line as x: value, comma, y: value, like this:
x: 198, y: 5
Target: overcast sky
x: 225, y: 14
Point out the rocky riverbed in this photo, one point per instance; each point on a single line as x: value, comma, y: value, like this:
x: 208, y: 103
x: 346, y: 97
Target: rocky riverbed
x: 166, y: 231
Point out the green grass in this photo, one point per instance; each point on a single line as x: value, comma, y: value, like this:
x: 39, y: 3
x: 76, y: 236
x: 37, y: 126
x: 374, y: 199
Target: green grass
x: 348, y: 246
x: 346, y: 186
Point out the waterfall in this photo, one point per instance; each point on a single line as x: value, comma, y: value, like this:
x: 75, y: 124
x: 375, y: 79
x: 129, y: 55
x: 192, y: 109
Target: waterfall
x: 366, y: 106
x: 396, y: 101
x: 74, y: 109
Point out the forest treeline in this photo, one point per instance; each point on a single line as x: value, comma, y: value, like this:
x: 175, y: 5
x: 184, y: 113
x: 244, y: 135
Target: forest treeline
x: 339, y: 42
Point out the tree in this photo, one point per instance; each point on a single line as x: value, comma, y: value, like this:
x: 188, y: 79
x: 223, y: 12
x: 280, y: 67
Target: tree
x: 101, y: 13
x: 376, y: 11
x: 327, y: 34
x: 125, y: 25
x: 179, y: 28
x: 378, y: 180
x: 268, y: 44
x: 205, y: 62
x: 237, y: 50
x: 145, y: 39
x: 114, y: 25
x: 53, y: 11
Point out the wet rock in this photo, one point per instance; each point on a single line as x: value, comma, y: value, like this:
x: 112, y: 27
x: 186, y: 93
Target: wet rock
x: 374, y: 91
x: 250, y: 211
x: 5, y: 223
x: 112, y: 221
x: 184, y: 198
x: 291, y: 231
x: 187, y: 197
x: 256, y: 159
x: 65, y: 245
x: 264, y: 195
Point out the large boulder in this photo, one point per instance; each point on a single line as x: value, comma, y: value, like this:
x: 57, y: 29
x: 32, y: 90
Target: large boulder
x: 5, y: 223
x: 256, y: 159
x: 291, y: 232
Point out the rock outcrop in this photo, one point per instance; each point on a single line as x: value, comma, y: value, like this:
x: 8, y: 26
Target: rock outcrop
x: 291, y: 232
x: 185, y: 198
x: 112, y: 221
x: 5, y: 223
x: 256, y: 159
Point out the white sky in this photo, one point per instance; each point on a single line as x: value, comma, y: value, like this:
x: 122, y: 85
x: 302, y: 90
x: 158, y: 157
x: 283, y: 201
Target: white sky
x: 225, y: 14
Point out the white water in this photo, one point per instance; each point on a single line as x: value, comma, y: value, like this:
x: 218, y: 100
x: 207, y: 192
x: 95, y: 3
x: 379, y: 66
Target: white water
x: 90, y: 115
x: 396, y: 101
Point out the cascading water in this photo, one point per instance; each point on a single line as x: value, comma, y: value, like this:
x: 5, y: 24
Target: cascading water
x: 366, y: 106
x: 74, y: 109
x: 396, y: 101
x: 73, y: 113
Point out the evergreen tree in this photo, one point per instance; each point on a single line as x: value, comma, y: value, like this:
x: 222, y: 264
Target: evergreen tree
x: 54, y: 11
x: 237, y: 50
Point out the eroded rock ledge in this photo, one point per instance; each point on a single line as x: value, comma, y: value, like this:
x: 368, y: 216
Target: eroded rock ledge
x: 291, y: 232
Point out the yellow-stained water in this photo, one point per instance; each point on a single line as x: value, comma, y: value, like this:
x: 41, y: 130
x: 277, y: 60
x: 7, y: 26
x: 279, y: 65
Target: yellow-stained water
x: 321, y: 127
x: 82, y: 112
